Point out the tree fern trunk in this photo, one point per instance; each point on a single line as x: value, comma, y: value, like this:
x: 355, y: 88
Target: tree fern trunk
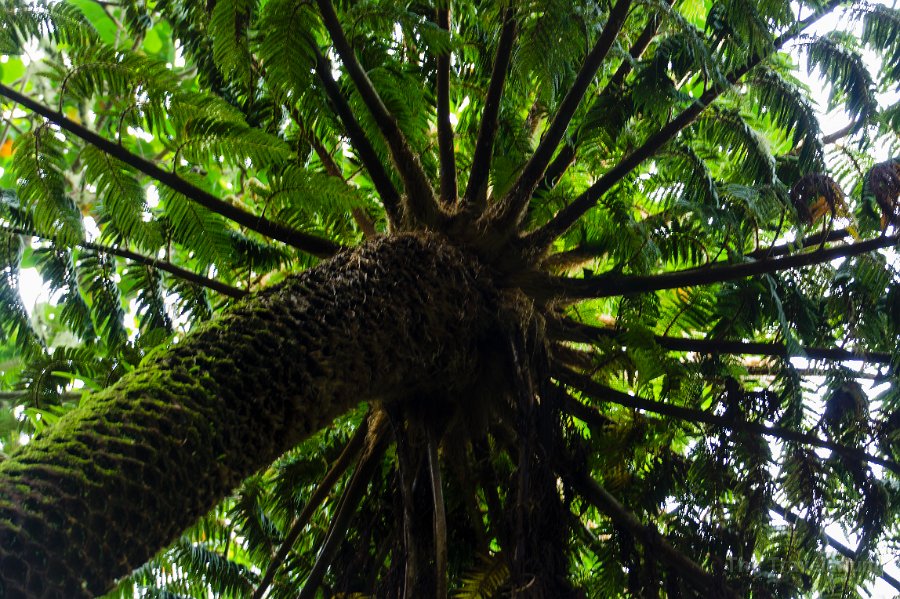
x: 123, y: 474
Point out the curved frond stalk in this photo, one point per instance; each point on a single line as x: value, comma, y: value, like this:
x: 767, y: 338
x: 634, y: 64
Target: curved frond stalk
x: 852, y: 85
x: 350, y: 451
x: 880, y: 26
x: 440, y: 517
x: 602, y: 393
x: 510, y: 210
x: 420, y: 199
x: 583, y: 333
x: 475, y: 197
x: 316, y: 246
x: 658, y: 545
x: 610, y: 285
x: 444, y: 126
x: 376, y: 445
x: 793, y: 518
x: 793, y: 112
x: 566, y: 155
x: 390, y: 196
x: 540, y: 239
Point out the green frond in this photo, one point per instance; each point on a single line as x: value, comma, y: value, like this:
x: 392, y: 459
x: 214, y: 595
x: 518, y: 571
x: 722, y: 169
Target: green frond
x: 50, y: 372
x: 229, y: 28
x: 742, y: 29
x: 191, y: 301
x: 256, y: 255
x: 788, y: 106
x: 284, y: 46
x: 146, y: 284
x: 129, y: 79
x: 484, y: 581
x: 407, y: 100
x: 205, y: 233
x: 60, y: 21
x: 298, y: 196
x: 223, y: 577
x: 685, y: 52
x: 39, y: 161
x: 15, y: 324
x: 881, y: 31
x: 124, y: 205
x: 851, y: 83
x: 97, y: 279
x: 691, y: 179
x: 726, y: 130
x: 234, y: 143
x: 251, y: 520
x: 57, y: 268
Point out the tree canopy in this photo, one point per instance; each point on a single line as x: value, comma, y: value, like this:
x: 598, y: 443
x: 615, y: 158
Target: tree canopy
x: 636, y: 307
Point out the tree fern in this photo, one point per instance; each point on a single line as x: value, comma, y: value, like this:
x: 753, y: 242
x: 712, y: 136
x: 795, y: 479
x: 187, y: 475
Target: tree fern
x: 533, y: 298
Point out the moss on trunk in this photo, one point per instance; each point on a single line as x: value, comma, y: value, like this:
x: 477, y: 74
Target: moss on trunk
x: 123, y: 474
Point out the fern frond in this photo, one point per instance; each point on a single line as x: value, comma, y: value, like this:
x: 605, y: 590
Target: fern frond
x: 146, y: 283
x: 722, y: 127
x: 789, y: 108
x: 39, y: 162
x: 224, y: 577
x: 191, y: 301
x: 298, y: 195
x: 881, y: 31
x: 60, y: 21
x: 57, y: 268
x: 15, y: 324
x: 229, y: 28
x: 235, y: 143
x: 283, y: 44
x: 47, y: 375
x: 124, y: 205
x: 124, y: 76
x: 851, y: 82
x: 484, y: 581
x: 206, y: 233
x: 96, y: 277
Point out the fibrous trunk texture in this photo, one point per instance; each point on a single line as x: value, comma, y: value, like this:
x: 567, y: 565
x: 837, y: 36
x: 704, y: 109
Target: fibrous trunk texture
x: 123, y: 474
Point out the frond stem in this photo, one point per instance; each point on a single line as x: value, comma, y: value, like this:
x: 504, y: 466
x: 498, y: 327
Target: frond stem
x: 440, y: 516
x: 444, y: 126
x: 578, y: 332
x: 511, y: 209
x: 362, y: 146
x: 475, y: 197
x: 610, y: 285
x: 376, y: 444
x: 353, y: 447
x: 602, y: 393
x: 163, y: 265
x: 420, y: 198
x: 649, y: 535
x: 793, y: 518
x: 317, y: 246
x: 566, y: 155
